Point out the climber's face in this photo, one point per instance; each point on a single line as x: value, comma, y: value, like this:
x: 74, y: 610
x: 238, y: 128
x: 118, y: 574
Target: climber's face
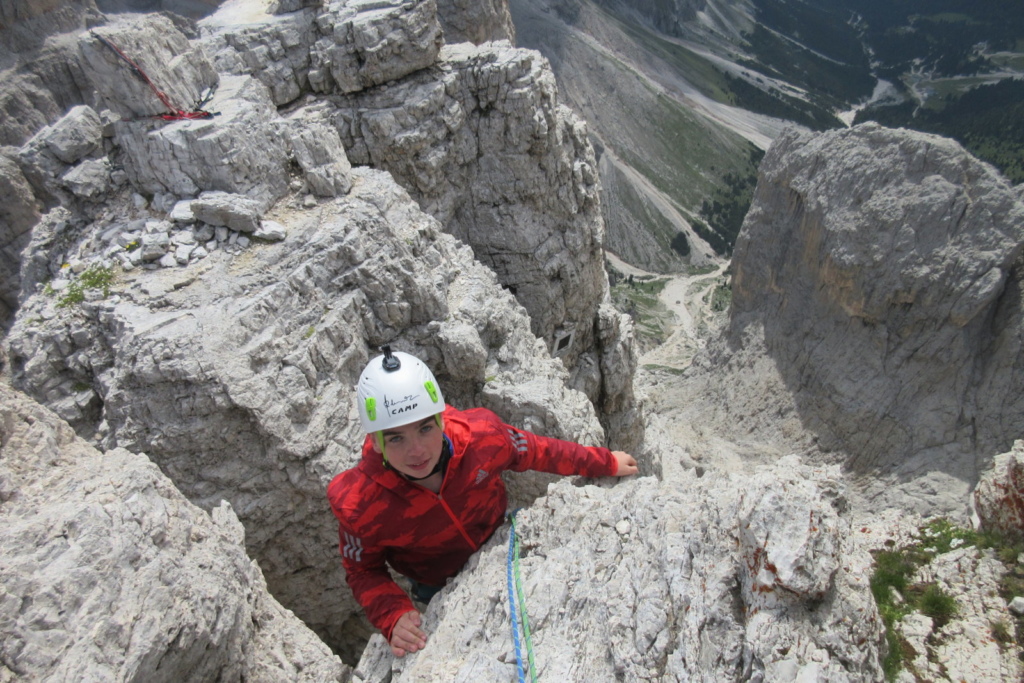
x: 414, y: 449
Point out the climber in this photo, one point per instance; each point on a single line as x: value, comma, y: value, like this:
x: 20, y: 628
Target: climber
x: 427, y: 492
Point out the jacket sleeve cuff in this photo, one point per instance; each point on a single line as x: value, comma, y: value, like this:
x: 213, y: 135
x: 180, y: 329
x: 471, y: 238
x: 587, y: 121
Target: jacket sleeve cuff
x: 387, y: 624
x: 611, y: 463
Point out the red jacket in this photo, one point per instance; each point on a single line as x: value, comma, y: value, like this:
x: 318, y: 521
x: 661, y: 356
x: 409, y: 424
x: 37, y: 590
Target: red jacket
x: 427, y: 536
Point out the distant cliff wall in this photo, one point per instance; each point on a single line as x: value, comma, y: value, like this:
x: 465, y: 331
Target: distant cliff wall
x: 884, y: 268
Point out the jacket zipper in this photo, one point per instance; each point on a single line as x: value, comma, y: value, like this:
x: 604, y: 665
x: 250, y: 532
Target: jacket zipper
x: 458, y: 524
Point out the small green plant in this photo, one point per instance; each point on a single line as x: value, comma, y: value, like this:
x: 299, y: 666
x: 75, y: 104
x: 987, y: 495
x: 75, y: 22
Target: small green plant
x: 721, y: 297
x: 940, y: 536
x: 93, y: 277
x: 1000, y: 631
x: 936, y: 603
x: 310, y: 332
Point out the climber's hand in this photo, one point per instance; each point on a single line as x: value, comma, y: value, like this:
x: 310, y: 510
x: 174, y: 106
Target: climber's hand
x: 407, y: 636
x: 625, y: 464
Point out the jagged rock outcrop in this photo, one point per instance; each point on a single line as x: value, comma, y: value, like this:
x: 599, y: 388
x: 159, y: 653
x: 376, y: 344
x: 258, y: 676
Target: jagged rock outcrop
x: 998, y: 499
x: 207, y: 290
x: 487, y: 151
x: 475, y: 21
x: 109, y: 573
x: 178, y: 72
x: 883, y: 269
x: 719, y: 577
x: 514, y: 177
x: 235, y: 373
x: 480, y: 141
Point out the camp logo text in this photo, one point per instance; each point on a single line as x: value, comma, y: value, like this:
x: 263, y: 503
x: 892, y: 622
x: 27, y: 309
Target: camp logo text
x: 400, y: 405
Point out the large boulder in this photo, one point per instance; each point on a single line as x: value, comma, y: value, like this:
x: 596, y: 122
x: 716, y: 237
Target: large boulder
x: 54, y: 150
x: 883, y: 270
x: 243, y: 146
x: 143, y: 65
x: 108, y: 573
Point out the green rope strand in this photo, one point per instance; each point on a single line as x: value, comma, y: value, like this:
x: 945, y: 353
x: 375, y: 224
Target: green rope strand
x: 522, y: 608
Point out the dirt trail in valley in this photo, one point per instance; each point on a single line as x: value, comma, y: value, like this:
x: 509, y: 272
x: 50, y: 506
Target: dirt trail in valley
x: 688, y: 298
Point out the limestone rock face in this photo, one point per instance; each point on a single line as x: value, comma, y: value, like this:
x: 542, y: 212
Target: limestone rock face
x: 236, y: 373
x: 480, y: 142
x: 368, y: 42
x: 885, y: 269
x: 18, y: 213
x: 246, y: 148
x: 344, y: 46
x: 487, y: 151
x: 184, y: 158
x: 721, y: 578
x: 476, y: 21
x: 174, y: 66
x: 999, y: 496
x: 39, y: 88
x: 109, y: 573
x: 272, y: 48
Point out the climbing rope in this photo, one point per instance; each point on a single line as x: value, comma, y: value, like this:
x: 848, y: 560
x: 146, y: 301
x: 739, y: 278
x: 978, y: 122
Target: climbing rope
x: 516, y: 597
x: 173, y: 113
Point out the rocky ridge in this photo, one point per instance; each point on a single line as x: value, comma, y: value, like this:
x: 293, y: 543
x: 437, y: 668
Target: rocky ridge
x: 716, y: 577
x: 231, y: 368
x: 213, y: 295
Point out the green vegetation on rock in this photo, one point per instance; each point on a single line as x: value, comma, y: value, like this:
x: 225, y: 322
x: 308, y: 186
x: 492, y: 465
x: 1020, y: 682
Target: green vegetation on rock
x: 897, y: 595
x: 92, y: 278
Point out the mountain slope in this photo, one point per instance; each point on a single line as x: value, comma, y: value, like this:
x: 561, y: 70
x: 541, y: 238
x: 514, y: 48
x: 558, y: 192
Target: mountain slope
x: 667, y: 140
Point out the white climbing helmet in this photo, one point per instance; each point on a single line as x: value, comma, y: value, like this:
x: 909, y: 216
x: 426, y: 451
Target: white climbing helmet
x: 396, y: 389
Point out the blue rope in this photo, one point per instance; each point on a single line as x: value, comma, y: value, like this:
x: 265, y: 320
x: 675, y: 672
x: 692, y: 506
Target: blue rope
x: 512, y: 603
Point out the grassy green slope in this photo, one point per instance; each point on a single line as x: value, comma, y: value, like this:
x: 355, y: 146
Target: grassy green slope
x: 681, y: 153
